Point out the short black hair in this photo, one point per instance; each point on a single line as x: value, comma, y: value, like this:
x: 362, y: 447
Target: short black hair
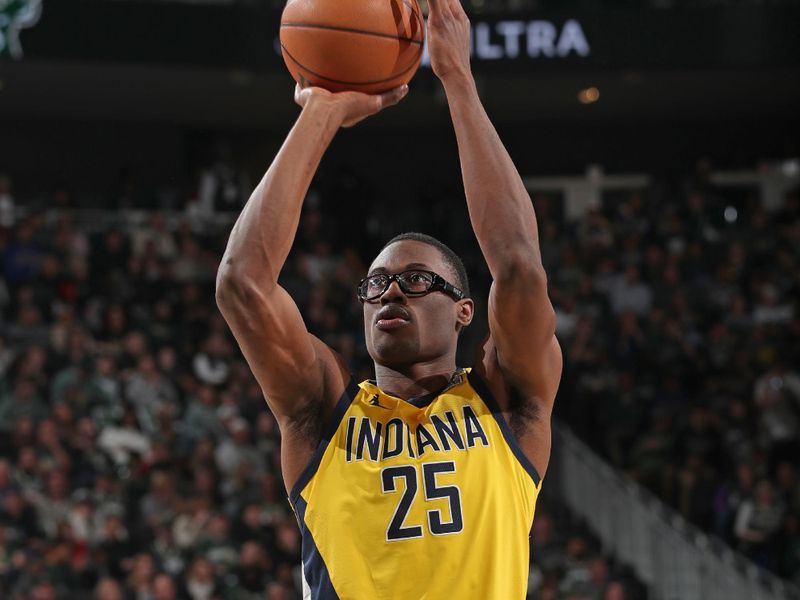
x: 451, y: 258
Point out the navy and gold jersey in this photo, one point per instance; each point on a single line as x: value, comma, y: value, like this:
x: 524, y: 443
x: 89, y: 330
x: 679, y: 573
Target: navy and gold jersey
x: 425, y: 500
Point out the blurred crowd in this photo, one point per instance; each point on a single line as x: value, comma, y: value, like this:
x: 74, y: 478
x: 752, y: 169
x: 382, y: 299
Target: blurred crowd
x: 137, y: 459
x: 568, y: 562
x: 679, y: 316
x: 139, y: 462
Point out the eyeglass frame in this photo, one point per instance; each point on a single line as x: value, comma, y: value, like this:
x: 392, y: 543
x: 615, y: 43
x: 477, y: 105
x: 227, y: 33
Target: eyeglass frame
x: 438, y: 284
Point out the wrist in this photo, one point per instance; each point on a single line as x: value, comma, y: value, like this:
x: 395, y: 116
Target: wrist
x: 325, y: 110
x: 459, y: 83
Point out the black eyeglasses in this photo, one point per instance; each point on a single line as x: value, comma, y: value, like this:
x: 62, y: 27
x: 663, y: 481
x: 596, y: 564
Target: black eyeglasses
x: 413, y: 283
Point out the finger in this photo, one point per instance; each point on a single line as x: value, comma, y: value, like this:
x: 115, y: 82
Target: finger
x: 438, y: 9
x: 455, y: 7
x: 302, y: 94
x: 393, y: 96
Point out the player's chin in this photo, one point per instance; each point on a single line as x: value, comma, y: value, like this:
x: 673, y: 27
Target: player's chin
x: 394, y: 350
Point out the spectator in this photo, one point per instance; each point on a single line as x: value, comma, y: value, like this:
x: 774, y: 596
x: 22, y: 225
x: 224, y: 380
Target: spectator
x: 164, y: 588
x: 22, y: 258
x: 108, y: 589
x: 628, y: 292
x: 254, y: 565
x: 200, y: 582
x: 757, y: 524
x: 155, y: 238
x: 235, y: 455
x: 7, y: 215
x: 211, y: 363
x: 152, y: 394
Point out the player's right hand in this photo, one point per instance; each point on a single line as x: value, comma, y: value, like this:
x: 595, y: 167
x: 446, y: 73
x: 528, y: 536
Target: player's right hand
x: 350, y: 107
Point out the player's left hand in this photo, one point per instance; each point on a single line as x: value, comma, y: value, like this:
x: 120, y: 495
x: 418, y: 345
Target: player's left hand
x: 448, y: 39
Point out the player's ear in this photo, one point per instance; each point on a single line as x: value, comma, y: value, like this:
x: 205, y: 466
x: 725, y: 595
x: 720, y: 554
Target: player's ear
x: 465, y: 310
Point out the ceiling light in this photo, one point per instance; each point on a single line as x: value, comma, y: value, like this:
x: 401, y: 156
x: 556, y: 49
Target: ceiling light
x: 589, y: 95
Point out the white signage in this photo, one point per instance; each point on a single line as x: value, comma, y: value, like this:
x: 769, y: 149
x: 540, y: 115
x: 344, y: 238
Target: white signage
x: 528, y: 39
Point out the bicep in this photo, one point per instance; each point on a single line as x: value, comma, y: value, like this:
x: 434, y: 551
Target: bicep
x: 289, y: 363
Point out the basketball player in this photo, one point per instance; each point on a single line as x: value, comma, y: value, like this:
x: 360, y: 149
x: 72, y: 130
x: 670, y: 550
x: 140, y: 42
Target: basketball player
x: 422, y: 483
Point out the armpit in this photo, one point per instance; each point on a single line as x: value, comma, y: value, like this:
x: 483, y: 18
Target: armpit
x: 522, y: 411
x: 308, y: 424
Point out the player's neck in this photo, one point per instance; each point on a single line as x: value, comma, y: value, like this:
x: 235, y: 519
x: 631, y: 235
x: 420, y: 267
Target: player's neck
x: 415, y: 380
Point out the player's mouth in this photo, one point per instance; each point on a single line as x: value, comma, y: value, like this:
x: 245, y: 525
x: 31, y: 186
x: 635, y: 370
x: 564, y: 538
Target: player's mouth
x: 392, y: 317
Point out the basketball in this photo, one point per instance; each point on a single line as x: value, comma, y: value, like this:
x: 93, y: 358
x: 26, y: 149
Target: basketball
x: 366, y: 46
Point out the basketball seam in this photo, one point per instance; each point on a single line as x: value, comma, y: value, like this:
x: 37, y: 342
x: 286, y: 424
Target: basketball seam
x: 351, y: 30
x: 417, y: 16
x: 315, y: 74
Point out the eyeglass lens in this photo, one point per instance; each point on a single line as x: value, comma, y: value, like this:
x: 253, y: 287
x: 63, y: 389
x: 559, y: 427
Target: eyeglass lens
x: 411, y: 282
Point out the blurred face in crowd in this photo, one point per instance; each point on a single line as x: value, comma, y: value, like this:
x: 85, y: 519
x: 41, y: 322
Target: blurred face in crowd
x: 240, y: 432
x: 43, y: 591
x: 542, y: 531
x: 744, y: 475
x: 24, y: 390
x: 5, y: 474
x: 764, y: 493
x: 143, y: 569
x: 201, y: 571
x: 14, y: 505
x: 288, y: 537
x: 276, y: 591
x: 251, y: 516
x: 108, y: 589
x: 167, y: 359
x: 787, y: 476
x: 615, y: 591
x: 27, y: 459
x: 598, y: 569
x: 251, y: 554
x: 57, y: 486
x: 164, y: 588
x: 113, y: 528
x: 270, y: 489
x: 218, y: 527
x: 402, y: 330
x: 47, y: 434
x: 135, y: 343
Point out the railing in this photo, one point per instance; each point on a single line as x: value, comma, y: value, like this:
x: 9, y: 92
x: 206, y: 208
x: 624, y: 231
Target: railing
x: 675, y: 559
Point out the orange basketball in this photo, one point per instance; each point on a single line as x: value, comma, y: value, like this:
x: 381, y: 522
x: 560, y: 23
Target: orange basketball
x: 364, y: 45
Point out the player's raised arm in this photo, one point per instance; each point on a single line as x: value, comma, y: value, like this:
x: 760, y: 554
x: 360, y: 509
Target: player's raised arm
x: 521, y: 317
x: 292, y: 366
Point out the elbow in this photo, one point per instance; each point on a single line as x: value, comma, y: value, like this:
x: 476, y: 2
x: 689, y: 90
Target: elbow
x: 522, y: 269
x: 224, y: 290
x: 226, y: 284
x: 238, y: 287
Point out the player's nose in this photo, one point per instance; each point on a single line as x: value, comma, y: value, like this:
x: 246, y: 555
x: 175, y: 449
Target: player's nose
x: 394, y: 293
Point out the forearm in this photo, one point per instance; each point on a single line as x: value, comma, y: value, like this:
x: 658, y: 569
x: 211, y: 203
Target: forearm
x: 265, y: 230
x: 499, y: 206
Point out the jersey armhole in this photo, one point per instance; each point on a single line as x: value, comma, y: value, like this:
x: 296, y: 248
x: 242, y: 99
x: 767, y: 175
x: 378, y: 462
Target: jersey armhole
x: 344, y: 402
x: 480, y: 386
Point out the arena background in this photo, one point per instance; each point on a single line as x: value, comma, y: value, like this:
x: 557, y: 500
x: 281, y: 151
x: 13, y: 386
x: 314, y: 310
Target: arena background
x: 659, y: 141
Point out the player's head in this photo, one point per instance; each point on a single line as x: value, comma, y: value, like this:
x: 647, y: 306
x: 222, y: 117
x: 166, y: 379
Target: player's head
x: 416, y: 301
